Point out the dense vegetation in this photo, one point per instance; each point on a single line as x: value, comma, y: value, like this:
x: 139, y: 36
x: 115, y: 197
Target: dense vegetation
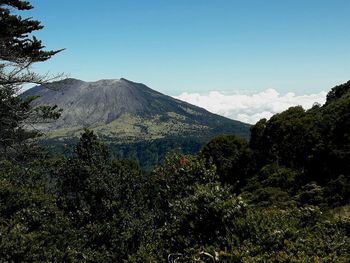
x: 147, y: 153
x: 282, y: 196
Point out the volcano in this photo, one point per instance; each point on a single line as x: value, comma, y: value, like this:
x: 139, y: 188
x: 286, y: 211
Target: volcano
x: 127, y: 111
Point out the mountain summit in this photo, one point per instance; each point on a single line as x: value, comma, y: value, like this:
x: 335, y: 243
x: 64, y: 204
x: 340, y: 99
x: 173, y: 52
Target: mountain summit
x: 127, y: 110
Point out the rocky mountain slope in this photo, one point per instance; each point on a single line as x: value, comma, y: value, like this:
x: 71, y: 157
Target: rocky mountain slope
x: 129, y: 111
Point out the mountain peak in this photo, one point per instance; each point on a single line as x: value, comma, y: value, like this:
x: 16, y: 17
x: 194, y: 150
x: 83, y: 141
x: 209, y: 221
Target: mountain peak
x: 120, y: 81
x: 71, y: 80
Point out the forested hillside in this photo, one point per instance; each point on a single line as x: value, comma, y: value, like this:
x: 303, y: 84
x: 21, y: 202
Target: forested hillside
x: 282, y: 196
x: 147, y: 153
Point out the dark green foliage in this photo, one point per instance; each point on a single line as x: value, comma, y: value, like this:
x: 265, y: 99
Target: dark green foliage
x: 273, y: 175
x: 314, y: 143
x: 336, y: 131
x: 310, y: 193
x: 190, y: 206
x: 337, y: 191
x: 287, y: 138
x: 13, y: 111
x: 290, y: 235
x: 18, y: 51
x: 90, y: 150
x: 104, y: 199
x: 30, y: 220
x: 337, y: 92
x: 229, y: 154
x: 148, y: 154
x: 16, y: 141
x: 15, y: 43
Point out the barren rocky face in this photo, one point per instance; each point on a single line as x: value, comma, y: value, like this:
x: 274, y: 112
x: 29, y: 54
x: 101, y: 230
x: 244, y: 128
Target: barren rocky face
x: 125, y: 109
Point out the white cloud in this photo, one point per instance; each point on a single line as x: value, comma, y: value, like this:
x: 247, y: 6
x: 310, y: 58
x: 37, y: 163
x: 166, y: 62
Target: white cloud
x: 251, y: 108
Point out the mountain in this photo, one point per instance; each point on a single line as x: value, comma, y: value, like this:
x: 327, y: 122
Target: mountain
x: 127, y: 111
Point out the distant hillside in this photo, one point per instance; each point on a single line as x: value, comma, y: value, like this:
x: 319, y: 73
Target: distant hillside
x: 127, y: 111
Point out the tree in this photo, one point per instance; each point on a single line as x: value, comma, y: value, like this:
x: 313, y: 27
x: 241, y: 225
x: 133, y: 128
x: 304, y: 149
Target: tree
x: 231, y: 156
x: 19, y: 50
x: 29, y: 219
x: 337, y: 92
x: 90, y: 149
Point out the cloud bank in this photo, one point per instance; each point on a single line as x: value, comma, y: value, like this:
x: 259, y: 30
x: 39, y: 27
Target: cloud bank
x: 251, y: 108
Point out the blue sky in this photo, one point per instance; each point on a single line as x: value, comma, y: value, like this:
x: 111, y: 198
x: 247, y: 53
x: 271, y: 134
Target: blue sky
x: 176, y: 46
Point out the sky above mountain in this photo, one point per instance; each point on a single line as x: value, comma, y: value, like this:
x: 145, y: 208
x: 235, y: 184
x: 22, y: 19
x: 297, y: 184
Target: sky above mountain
x: 201, y: 46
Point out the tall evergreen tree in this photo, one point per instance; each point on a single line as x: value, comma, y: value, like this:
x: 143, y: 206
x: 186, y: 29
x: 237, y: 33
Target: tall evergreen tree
x: 19, y: 50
